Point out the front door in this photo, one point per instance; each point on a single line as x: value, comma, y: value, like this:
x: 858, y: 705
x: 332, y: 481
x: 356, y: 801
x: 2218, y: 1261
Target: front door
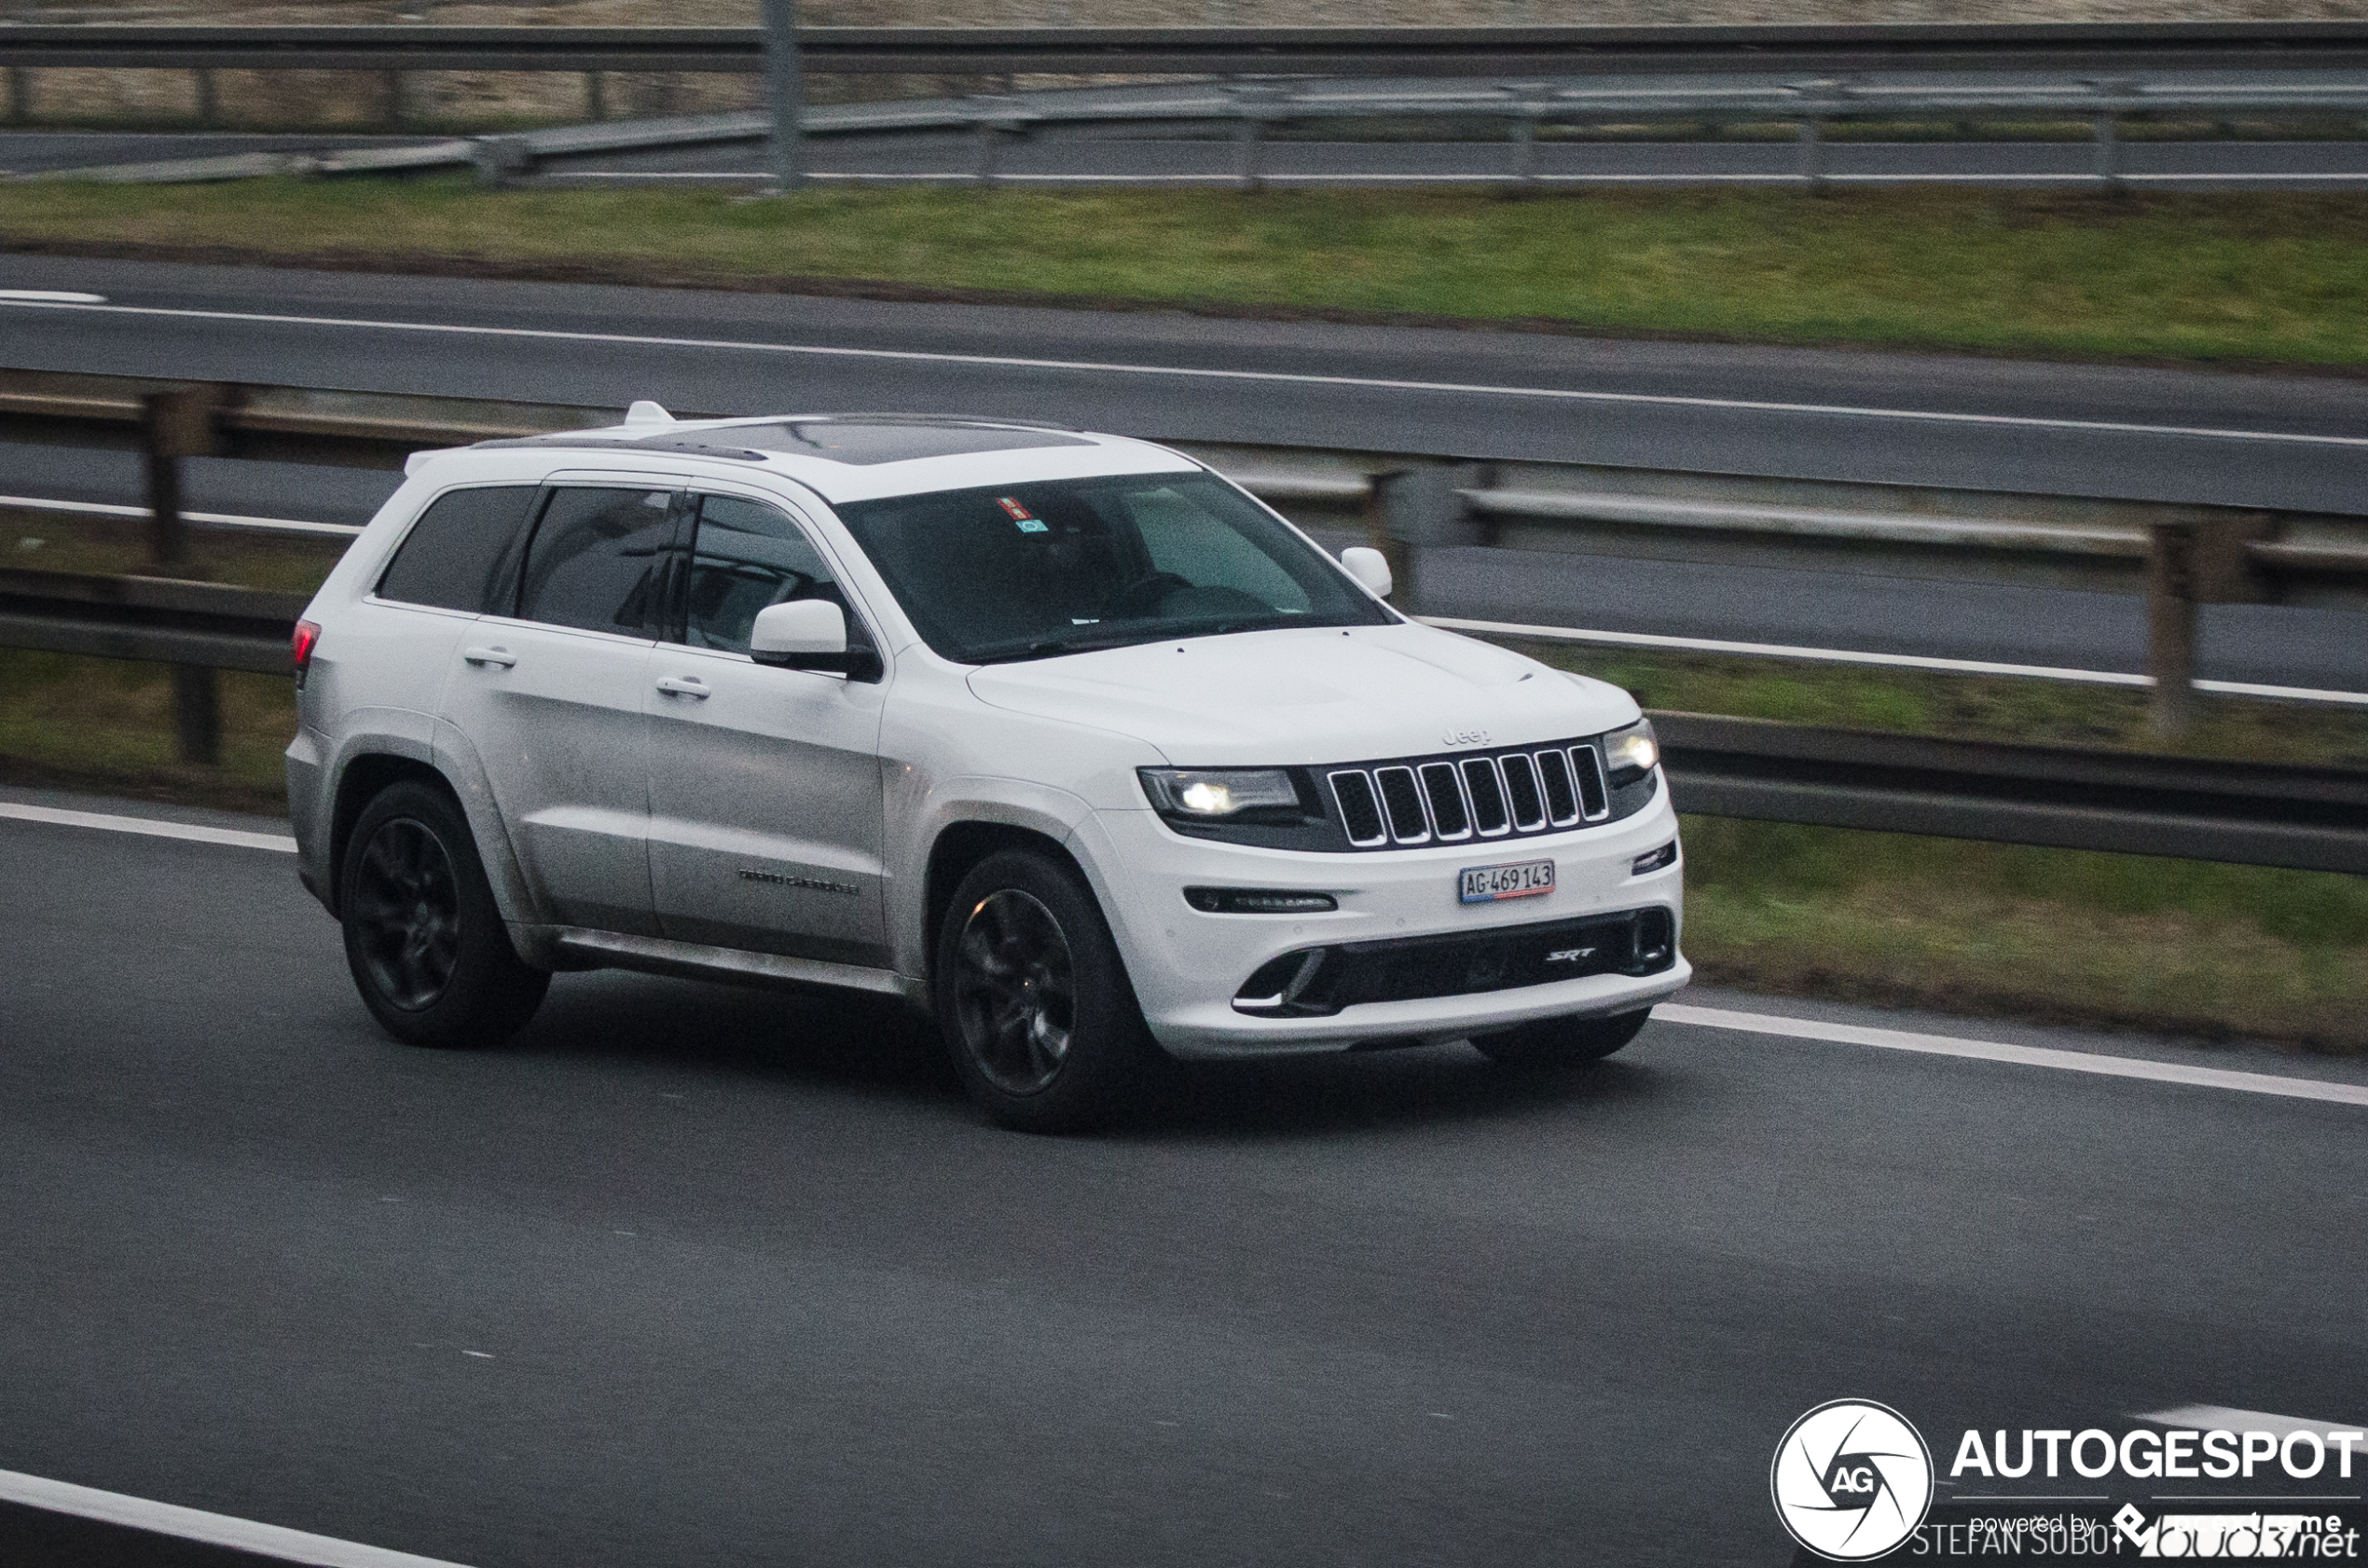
x: 549, y: 700
x: 764, y: 783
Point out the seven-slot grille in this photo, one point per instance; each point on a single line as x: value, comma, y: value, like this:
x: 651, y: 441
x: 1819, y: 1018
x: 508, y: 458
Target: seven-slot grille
x: 1450, y: 800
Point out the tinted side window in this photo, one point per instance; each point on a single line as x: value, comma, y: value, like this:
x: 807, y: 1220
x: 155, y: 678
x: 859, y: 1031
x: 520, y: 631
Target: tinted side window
x: 452, y: 555
x: 597, y: 561
x: 748, y: 556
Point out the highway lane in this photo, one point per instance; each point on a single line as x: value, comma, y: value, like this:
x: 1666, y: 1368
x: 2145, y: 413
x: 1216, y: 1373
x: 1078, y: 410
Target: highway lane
x: 2293, y: 440
x: 690, y: 1275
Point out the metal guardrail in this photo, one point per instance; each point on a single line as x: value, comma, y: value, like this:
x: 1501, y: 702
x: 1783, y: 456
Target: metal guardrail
x: 2244, y: 813
x: 2312, y: 818
x: 1412, y: 51
x: 1807, y: 77
x: 1523, y: 107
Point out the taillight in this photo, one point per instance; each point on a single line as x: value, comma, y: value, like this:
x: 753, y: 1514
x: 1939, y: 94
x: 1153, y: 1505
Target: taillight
x: 300, y: 646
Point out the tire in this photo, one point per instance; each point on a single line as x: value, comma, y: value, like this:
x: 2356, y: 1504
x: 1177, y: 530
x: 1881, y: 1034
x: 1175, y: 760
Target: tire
x: 1561, y: 1042
x: 426, y: 944
x: 1033, y: 999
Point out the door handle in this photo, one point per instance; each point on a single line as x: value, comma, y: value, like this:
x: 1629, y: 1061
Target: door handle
x: 501, y: 656
x: 683, y: 686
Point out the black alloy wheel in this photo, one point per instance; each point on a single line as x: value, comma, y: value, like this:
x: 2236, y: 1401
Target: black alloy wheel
x: 1016, y: 992
x: 423, y: 937
x: 405, y: 909
x: 1033, y: 999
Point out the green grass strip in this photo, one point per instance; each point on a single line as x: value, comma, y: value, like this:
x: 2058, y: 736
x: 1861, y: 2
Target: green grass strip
x: 2262, y: 277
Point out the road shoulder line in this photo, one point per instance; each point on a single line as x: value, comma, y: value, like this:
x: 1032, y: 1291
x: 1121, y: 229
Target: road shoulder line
x: 2023, y: 1055
x: 153, y: 826
x: 196, y: 1524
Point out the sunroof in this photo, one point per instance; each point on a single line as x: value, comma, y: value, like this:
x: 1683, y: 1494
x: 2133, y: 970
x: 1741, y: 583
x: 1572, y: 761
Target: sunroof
x: 866, y: 442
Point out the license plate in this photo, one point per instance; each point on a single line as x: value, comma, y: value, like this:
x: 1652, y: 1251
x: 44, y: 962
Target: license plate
x: 1521, y: 879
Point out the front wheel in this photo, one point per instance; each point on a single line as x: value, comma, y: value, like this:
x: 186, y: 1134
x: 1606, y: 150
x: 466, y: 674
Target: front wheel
x: 1033, y: 999
x: 426, y: 944
x: 1561, y: 1042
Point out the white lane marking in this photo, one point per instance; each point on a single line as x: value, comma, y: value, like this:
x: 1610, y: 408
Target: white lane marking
x: 2024, y: 1056
x: 148, y: 826
x: 1888, y: 660
x: 52, y: 296
x: 196, y: 1524
x: 211, y: 519
x: 2210, y: 1417
x: 1181, y: 372
x: 1218, y: 178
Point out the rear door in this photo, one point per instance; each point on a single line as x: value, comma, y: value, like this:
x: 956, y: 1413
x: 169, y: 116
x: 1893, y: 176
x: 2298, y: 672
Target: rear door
x: 764, y: 783
x: 549, y: 696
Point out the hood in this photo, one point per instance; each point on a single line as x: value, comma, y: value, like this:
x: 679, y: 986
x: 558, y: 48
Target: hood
x: 1313, y: 697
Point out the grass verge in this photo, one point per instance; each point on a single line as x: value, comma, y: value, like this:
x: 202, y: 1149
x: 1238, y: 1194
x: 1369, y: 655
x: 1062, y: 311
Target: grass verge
x: 2262, y: 277
x: 2122, y: 941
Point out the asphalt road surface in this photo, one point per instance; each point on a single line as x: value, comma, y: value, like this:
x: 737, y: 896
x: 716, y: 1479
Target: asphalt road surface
x: 700, y: 1276
x: 2279, y: 441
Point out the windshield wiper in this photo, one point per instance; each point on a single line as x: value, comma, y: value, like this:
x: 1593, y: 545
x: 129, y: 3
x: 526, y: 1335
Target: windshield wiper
x: 1087, y: 642
x: 1075, y: 642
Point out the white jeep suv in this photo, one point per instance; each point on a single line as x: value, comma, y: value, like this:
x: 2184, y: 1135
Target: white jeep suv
x: 1062, y: 737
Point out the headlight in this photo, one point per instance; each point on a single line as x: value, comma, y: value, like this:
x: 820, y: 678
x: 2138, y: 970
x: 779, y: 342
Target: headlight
x: 1214, y: 794
x: 1631, y: 754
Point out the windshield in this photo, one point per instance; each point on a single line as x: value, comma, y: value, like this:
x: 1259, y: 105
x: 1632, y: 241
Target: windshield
x: 1024, y: 572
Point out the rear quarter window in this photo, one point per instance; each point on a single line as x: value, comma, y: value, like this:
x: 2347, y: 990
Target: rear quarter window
x: 451, y: 560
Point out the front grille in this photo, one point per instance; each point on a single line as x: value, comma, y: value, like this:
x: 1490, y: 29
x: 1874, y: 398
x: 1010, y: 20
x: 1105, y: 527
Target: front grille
x: 1498, y: 795
x: 1315, y: 981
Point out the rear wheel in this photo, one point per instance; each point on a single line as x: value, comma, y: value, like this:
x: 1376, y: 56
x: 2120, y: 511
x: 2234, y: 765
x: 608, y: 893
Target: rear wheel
x: 426, y: 944
x: 1033, y: 999
x: 1562, y: 1042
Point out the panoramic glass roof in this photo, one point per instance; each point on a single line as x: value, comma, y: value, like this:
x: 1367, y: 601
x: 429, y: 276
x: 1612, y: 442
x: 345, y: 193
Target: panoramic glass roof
x: 868, y: 440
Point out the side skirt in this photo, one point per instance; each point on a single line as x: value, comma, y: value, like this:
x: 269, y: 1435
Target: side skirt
x: 695, y: 961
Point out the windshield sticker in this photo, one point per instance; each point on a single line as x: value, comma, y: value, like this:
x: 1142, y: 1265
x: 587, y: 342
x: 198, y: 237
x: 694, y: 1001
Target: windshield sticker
x: 1020, y: 515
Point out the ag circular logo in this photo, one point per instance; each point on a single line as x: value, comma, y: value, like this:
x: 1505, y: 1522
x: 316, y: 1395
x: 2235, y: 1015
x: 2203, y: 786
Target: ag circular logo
x: 1851, y: 1481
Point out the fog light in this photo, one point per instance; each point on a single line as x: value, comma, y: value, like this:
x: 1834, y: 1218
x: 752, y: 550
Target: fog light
x: 1665, y: 856
x: 1257, y: 901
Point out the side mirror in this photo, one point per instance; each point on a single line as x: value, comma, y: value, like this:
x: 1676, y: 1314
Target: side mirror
x: 809, y: 634
x: 1370, y: 567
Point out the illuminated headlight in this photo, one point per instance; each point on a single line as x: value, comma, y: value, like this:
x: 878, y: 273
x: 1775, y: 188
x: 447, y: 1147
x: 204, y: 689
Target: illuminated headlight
x: 1631, y: 754
x: 1213, y: 794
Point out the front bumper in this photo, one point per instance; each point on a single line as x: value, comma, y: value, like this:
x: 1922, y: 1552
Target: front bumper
x: 1188, y: 966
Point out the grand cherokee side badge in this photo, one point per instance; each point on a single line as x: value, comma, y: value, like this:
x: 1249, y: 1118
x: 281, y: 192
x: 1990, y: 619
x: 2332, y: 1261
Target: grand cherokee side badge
x: 816, y: 883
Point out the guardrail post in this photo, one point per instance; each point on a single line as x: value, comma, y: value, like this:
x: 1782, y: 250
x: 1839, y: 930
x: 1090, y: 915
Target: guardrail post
x: 392, y: 87
x: 1525, y: 146
x: 2108, y: 165
x: 1812, y: 162
x: 20, y: 94
x: 209, y: 101
x: 785, y: 84
x: 1253, y: 105
x: 1420, y: 510
x: 996, y: 119
x: 595, y: 95
x: 2171, y: 625
x: 502, y: 160
x: 174, y: 425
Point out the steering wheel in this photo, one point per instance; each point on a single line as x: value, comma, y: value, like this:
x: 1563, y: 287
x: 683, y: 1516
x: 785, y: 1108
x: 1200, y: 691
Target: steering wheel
x: 1142, y: 597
